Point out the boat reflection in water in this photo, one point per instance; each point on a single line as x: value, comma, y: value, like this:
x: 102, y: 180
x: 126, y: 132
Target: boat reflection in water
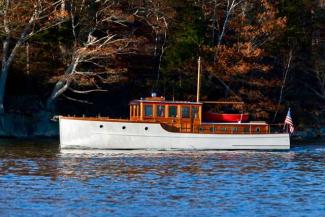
x: 50, y: 160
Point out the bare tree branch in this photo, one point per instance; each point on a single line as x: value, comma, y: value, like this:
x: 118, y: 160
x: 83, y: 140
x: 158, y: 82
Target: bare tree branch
x: 77, y: 100
x: 86, y: 91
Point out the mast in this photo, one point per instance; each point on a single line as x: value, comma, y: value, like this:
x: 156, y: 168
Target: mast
x: 198, y: 80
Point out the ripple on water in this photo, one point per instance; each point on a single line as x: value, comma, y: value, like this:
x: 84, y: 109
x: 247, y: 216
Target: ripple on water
x: 40, y: 180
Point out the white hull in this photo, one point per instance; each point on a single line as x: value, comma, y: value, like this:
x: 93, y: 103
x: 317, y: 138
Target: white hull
x: 76, y: 133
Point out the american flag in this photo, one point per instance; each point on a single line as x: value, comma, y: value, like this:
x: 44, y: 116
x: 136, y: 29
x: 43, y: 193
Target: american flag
x: 288, y: 121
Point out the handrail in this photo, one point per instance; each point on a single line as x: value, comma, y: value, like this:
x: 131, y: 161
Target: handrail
x: 216, y: 129
x: 222, y: 102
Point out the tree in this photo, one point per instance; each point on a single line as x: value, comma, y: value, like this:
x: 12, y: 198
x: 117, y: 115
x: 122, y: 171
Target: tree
x: 240, y: 59
x: 21, y: 20
x: 102, y: 32
x: 186, y: 35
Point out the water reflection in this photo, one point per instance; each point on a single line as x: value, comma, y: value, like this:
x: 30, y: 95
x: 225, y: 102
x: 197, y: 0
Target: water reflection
x: 49, y: 160
x: 77, y: 182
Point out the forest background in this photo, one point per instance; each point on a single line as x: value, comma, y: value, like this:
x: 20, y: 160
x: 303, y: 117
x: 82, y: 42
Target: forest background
x: 87, y: 57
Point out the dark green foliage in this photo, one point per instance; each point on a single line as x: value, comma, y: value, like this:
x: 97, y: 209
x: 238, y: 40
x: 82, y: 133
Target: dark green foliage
x: 185, y: 36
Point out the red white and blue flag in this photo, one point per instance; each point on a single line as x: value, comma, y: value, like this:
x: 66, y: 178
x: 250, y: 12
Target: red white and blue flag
x: 288, y: 122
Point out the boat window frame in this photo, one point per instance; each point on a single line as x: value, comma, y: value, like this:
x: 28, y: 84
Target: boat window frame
x: 195, y: 112
x: 138, y: 110
x: 134, y: 110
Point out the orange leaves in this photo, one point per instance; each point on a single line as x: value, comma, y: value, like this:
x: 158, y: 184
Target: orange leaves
x: 242, y: 67
x: 58, y: 15
x: 249, y: 51
x: 31, y: 16
x: 242, y: 60
x: 250, y: 29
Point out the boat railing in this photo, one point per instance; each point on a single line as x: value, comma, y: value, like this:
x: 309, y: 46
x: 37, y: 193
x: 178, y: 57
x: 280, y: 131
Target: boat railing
x: 219, y: 128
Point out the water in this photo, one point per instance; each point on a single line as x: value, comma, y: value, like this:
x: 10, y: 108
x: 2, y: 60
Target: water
x: 41, y: 180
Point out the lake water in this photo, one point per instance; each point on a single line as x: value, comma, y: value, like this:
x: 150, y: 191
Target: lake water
x: 41, y: 180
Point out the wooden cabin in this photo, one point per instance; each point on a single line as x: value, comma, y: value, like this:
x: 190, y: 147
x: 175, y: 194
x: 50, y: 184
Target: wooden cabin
x: 175, y: 114
x: 186, y: 117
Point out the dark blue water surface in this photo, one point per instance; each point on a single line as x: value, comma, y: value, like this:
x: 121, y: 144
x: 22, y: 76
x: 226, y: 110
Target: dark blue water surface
x: 41, y: 180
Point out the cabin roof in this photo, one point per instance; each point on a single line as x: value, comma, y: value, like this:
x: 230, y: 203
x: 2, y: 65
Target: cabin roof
x: 134, y: 102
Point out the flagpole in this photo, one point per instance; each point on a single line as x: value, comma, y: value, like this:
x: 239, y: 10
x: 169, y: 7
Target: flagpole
x: 288, y: 123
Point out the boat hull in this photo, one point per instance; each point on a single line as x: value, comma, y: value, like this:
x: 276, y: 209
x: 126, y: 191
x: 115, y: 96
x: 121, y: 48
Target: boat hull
x: 78, y: 133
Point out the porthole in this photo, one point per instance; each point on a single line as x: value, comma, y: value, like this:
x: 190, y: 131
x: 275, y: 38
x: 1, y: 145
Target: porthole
x: 146, y: 128
x: 123, y: 127
x: 101, y: 126
x: 258, y: 129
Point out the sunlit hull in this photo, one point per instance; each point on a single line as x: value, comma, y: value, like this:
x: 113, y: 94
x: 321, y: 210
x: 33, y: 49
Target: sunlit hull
x: 100, y: 134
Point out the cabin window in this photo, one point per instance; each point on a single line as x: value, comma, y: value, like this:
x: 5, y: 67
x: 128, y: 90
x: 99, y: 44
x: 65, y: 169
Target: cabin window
x: 148, y: 110
x: 235, y: 130
x: 185, y: 112
x: 161, y: 111
x: 258, y: 130
x: 223, y: 129
x: 195, y: 112
x: 172, y: 111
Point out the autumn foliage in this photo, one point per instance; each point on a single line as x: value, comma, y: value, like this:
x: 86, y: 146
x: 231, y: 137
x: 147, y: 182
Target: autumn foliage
x: 73, y: 52
x: 240, y: 58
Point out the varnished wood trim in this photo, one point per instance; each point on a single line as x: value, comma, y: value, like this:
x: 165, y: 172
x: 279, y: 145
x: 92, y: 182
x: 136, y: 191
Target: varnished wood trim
x: 103, y: 119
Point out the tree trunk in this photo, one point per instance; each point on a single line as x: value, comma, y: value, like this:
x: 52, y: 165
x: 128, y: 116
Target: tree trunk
x: 229, y: 9
x: 62, y: 85
x: 224, y: 28
x: 4, y: 73
x: 59, y: 89
x: 6, y: 62
x: 283, y: 84
x: 3, y: 81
